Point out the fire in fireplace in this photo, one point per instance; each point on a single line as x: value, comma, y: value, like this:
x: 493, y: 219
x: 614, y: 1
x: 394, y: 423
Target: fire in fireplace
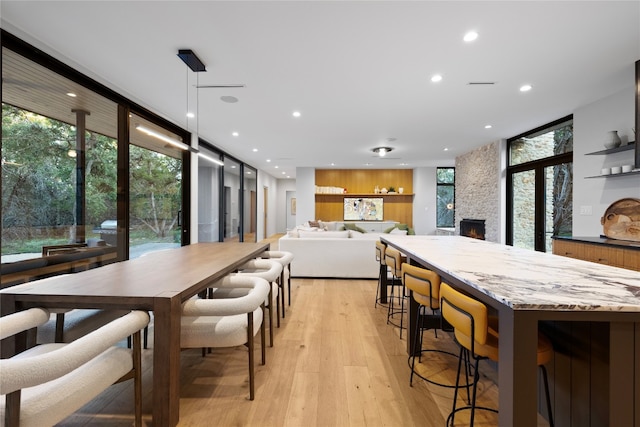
x: 473, y: 228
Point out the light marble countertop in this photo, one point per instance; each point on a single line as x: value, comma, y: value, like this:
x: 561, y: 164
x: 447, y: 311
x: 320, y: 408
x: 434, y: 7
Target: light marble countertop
x: 524, y: 279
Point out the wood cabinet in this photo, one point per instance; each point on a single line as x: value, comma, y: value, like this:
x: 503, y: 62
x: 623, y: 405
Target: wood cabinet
x: 597, y: 250
x: 361, y: 183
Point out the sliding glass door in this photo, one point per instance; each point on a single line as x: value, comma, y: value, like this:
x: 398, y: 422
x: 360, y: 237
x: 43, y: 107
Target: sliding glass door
x: 155, y: 188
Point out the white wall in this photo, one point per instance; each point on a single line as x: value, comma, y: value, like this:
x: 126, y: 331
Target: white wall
x: 271, y: 183
x: 285, y: 187
x: 424, y: 200
x: 592, y: 196
x: 305, y: 194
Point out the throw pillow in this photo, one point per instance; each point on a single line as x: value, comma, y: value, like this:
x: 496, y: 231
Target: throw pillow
x: 398, y: 231
x: 315, y: 224
x: 388, y: 230
x: 351, y: 226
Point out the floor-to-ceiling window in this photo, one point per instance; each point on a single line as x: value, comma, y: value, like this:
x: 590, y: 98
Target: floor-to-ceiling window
x: 540, y: 185
x: 209, y: 179
x: 77, y: 168
x: 249, y: 203
x: 231, y: 199
x: 155, y: 188
x: 59, y: 160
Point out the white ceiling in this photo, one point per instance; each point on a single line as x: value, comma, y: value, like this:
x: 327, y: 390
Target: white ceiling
x: 359, y: 72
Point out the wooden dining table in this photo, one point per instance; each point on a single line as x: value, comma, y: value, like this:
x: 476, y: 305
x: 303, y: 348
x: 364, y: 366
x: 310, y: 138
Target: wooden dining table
x: 527, y: 288
x: 158, y: 282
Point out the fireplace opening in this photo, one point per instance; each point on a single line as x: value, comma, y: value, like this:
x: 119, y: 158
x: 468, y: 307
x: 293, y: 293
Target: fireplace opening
x: 473, y: 228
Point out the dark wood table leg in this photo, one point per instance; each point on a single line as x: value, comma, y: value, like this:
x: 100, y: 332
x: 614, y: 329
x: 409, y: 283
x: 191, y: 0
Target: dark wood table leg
x: 166, y: 361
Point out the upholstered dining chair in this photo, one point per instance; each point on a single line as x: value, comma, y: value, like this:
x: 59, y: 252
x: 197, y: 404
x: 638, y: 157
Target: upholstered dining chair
x: 270, y: 271
x: 394, y: 260
x: 228, y: 322
x: 45, y: 384
x: 477, y: 334
x: 284, y: 258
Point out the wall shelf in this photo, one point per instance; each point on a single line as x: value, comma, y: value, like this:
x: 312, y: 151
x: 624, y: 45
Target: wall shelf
x: 630, y: 146
x: 615, y: 175
x: 627, y: 147
x: 389, y: 198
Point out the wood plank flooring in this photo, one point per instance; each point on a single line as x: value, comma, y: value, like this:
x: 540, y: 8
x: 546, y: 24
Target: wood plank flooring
x: 335, y: 362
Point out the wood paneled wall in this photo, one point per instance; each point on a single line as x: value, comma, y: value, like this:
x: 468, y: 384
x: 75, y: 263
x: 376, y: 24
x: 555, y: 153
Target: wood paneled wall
x: 362, y: 182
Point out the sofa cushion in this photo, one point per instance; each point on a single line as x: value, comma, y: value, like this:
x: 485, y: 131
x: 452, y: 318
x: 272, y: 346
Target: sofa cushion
x: 324, y: 234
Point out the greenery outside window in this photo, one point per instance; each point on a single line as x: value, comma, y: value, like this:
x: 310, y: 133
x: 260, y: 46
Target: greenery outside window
x: 44, y: 201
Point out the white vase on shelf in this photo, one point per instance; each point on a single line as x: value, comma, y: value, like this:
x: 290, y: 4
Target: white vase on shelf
x: 613, y: 140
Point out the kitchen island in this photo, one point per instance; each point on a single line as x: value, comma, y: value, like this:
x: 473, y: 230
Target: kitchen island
x: 527, y: 289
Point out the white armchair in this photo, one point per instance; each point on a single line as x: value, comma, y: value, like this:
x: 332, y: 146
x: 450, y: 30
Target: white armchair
x: 270, y: 271
x: 284, y: 258
x: 228, y: 322
x: 46, y: 383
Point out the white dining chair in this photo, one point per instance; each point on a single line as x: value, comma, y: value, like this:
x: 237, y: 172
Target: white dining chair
x: 228, y: 322
x: 46, y: 383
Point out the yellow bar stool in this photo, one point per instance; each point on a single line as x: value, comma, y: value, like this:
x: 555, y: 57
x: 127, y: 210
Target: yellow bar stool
x: 477, y: 334
x: 394, y: 260
x: 425, y: 287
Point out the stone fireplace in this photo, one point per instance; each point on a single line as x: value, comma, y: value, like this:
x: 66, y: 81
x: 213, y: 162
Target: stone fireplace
x: 473, y: 228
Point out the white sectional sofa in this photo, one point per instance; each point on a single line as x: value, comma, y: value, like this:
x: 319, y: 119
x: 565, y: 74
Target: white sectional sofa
x: 342, y: 254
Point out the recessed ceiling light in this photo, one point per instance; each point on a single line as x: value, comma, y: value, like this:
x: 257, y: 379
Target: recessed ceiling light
x: 436, y: 78
x: 191, y: 115
x: 268, y: 160
x: 235, y: 134
x: 470, y: 36
x: 255, y: 150
x: 284, y: 173
x: 488, y: 126
x: 71, y: 94
x: 525, y: 88
x: 233, y: 166
x: 446, y: 149
x: 288, y: 176
x: 277, y: 167
x: 333, y: 164
x: 296, y: 114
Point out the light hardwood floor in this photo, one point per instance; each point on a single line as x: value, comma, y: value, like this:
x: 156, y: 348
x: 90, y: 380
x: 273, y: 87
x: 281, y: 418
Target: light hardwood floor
x: 335, y: 362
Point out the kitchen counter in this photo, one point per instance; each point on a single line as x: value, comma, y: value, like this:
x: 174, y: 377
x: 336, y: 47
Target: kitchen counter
x: 601, y: 240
